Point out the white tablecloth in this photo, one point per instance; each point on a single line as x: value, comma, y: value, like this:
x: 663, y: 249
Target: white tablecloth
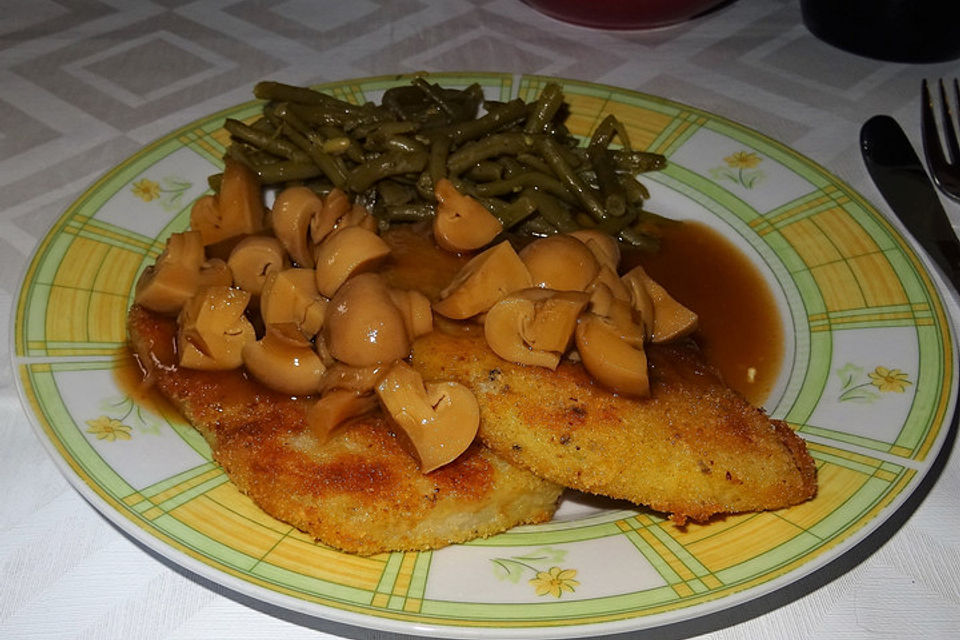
x: 83, y: 84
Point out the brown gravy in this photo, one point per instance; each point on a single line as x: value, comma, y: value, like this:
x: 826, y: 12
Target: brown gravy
x: 740, y: 330
x: 129, y: 376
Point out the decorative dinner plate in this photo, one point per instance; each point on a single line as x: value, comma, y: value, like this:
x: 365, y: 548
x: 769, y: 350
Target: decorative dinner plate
x: 868, y: 378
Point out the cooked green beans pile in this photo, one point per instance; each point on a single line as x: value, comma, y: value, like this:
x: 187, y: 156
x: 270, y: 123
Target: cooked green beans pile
x: 518, y: 159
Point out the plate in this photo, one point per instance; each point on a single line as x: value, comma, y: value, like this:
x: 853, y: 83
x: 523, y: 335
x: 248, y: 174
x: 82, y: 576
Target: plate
x: 868, y: 379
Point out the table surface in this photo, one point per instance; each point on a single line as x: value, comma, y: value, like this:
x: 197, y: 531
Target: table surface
x: 84, y: 84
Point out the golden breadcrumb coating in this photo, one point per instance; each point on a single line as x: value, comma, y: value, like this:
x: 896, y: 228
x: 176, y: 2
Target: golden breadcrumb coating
x: 693, y: 449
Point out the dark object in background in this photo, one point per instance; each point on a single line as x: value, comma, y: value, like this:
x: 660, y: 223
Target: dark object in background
x: 895, y: 30
x: 625, y: 14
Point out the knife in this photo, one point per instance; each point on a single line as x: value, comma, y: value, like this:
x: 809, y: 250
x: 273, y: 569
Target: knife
x: 896, y: 170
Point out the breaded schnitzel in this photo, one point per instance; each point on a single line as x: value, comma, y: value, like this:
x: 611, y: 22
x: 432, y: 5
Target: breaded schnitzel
x: 359, y: 492
x: 693, y: 449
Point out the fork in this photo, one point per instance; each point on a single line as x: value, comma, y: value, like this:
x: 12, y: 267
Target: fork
x: 946, y: 173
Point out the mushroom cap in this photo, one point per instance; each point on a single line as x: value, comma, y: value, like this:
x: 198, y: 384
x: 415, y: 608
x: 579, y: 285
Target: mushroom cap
x: 461, y: 223
x: 363, y: 327
x: 236, y: 210
x: 345, y: 253
x: 284, y: 360
x: 253, y: 258
x: 560, y: 262
x: 166, y: 285
x: 533, y: 326
x: 613, y: 362
x: 670, y: 319
x: 439, y: 419
x: 633, y: 281
x: 335, y: 408
x: 215, y: 273
x: 205, y: 219
x: 416, y: 311
x: 212, y: 329
x: 619, y: 314
x: 336, y: 204
x: 482, y: 282
x: 605, y: 248
x: 293, y: 210
x: 609, y: 277
x: 357, y: 379
x: 240, y: 199
x: 291, y: 295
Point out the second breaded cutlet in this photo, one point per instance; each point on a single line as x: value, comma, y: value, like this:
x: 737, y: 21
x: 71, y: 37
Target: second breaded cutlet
x: 693, y: 449
x: 360, y: 491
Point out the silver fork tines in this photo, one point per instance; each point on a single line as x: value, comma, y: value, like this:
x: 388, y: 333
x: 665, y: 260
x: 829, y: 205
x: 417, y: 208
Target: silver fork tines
x: 946, y: 173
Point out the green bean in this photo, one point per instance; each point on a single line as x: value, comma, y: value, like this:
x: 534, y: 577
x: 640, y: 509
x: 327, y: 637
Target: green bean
x: 635, y: 191
x: 546, y: 107
x: 517, y: 211
x: 639, y: 240
x: 393, y: 193
x: 552, y: 211
x: 612, y: 193
x: 439, y: 150
x: 638, y: 161
x: 485, y: 171
x: 518, y: 160
x: 328, y: 165
x: 551, y: 154
x: 391, y: 163
x: 604, y: 133
x: 531, y: 179
x: 537, y: 227
x: 407, y: 212
x: 305, y: 138
x: 279, y: 92
x: 534, y: 161
x: 265, y: 141
x: 488, y: 147
x: 435, y: 95
x: 496, y: 118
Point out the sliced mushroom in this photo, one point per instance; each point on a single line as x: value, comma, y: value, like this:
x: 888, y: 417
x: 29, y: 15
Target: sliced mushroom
x: 560, y: 262
x: 608, y: 277
x: 461, y: 223
x: 416, y: 311
x: 483, y: 281
x: 358, y: 216
x: 205, y: 219
x: 534, y: 326
x: 633, y: 281
x: 173, y: 279
x: 363, y: 327
x: 439, y: 419
x: 237, y: 209
x: 604, y: 247
x: 253, y: 258
x: 356, y: 379
x: 611, y: 360
x: 291, y: 296
x: 215, y: 273
x: 336, y: 204
x: 671, y: 320
x: 284, y: 360
x: 320, y: 344
x: 345, y: 253
x: 213, y: 329
x: 618, y: 313
x: 292, y: 213
x: 335, y: 408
